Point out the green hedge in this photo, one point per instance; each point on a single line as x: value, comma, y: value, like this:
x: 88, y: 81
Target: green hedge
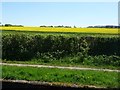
x: 105, y: 46
x: 25, y: 47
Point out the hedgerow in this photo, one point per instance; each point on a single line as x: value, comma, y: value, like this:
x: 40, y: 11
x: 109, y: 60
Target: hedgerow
x: 26, y: 47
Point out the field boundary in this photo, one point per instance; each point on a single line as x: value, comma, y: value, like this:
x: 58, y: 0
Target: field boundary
x: 59, y: 67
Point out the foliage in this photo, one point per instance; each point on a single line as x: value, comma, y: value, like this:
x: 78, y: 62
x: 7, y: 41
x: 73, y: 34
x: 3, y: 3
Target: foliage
x: 25, y: 47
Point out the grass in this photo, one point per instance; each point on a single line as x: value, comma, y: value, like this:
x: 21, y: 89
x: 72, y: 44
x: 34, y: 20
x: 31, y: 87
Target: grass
x: 61, y: 63
x: 104, y: 62
x: 94, y: 78
x: 77, y: 30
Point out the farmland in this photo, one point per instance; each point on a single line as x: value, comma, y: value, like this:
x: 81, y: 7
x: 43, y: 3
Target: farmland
x: 77, y: 30
x: 82, y: 47
x: 60, y: 45
x: 40, y: 45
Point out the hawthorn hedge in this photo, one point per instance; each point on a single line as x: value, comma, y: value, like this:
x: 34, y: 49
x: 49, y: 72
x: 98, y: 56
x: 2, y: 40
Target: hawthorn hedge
x: 25, y: 47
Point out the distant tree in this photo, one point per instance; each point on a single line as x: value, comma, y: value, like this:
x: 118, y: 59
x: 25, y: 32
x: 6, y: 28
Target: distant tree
x: 74, y: 26
x: 13, y: 25
x: 8, y: 25
x: 49, y: 26
x: 67, y: 26
x: 59, y: 26
x: 43, y: 26
x: 90, y: 27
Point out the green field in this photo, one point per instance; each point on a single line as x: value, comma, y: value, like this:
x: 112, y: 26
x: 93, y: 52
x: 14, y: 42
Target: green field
x: 66, y: 34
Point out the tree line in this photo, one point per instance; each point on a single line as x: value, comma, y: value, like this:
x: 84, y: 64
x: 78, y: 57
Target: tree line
x: 107, y: 26
x: 62, y: 26
x: 10, y: 25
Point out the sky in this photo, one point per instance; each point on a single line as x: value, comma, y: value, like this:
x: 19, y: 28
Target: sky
x: 80, y: 14
x: 119, y: 13
x: 60, y: 0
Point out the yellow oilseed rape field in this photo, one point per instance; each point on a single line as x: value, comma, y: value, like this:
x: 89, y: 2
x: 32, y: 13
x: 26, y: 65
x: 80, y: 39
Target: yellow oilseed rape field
x: 52, y: 29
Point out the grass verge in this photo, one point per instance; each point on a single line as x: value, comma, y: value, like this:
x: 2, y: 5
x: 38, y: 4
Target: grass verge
x: 94, y: 78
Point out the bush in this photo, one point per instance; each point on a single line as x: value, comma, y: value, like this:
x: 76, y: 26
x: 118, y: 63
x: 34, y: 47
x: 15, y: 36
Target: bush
x: 25, y: 47
x: 17, y: 47
x: 105, y: 46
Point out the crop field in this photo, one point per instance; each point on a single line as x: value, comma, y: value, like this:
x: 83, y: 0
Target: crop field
x: 77, y: 30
